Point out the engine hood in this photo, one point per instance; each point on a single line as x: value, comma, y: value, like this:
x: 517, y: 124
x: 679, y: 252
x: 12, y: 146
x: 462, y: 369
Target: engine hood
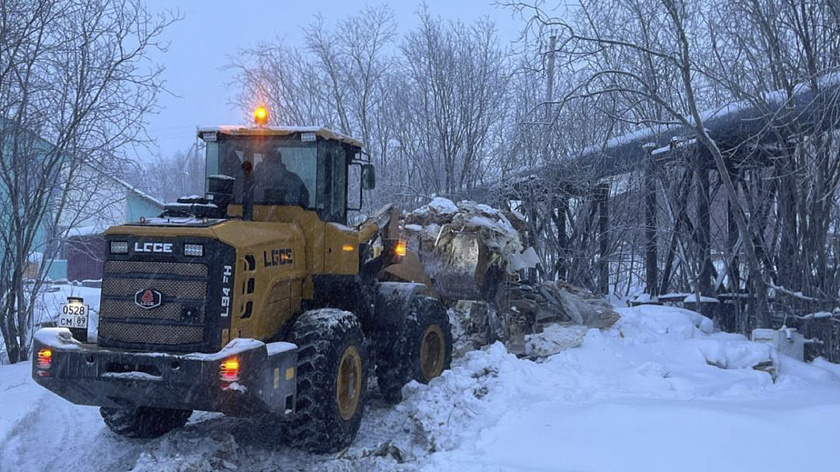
x: 237, y: 233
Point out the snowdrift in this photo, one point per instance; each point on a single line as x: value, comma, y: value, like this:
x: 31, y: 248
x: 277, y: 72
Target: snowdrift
x: 657, y: 391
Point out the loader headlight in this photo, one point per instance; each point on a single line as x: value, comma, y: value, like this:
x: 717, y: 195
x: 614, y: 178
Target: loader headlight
x: 401, y: 248
x: 195, y: 250
x: 119, y: 247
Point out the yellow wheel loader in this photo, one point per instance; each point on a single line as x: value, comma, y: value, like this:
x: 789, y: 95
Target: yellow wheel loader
x: 254, y: 299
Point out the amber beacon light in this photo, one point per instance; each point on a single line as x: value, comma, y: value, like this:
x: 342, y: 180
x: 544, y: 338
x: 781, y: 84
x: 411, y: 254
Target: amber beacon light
x: 260, y: 116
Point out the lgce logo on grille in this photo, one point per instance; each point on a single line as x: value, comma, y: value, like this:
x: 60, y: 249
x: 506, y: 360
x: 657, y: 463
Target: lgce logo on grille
x: 147, y: 298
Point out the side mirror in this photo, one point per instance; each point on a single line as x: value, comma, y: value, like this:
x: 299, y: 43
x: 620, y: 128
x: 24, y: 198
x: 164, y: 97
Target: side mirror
x: 368, y: 177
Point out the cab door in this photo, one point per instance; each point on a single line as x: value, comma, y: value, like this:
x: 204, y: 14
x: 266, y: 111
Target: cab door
x: 342, y: 243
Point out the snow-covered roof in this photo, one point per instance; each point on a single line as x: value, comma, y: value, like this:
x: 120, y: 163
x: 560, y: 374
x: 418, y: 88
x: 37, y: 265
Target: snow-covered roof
x: 122, y: 183
x: 138, y: 192
x: 239, y: 130
x: 730, y: 125
x: 734, y: 120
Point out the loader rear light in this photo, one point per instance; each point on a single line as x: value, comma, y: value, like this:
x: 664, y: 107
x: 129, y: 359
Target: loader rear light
x: 229, y: 370
x: 401, y: 248
x: 119, y: 247
x: 44, y: 360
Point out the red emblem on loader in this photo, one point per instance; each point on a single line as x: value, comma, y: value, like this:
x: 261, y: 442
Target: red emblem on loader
x: 147, y: 298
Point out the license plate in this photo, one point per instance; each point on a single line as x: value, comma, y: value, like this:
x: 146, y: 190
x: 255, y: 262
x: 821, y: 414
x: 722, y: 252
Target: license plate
x: 73, y: 316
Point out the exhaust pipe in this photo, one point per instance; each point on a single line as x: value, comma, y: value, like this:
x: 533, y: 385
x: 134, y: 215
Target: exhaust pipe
x: 248, y: 191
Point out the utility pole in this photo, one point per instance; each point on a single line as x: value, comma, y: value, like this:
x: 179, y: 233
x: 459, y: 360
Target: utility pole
x: 549, y: 92
x: 549, y: 96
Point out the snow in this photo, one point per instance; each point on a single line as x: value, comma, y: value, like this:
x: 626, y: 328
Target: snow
x: 443, y: 206
x: 641, y: 396
x: 487, y: 209
x: 57, y: 338
x: 235, y: 346
x: 221, y: 177
x: 278, y: 347
x: 693, y: 298
x: 236, y: 387
x: 659, y: 391
x: 282, y: 130
x: 142, y: 376
x: 524, y: 260
x: 553, y: 339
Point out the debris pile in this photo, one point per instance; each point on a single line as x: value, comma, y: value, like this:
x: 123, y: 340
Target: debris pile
x: 557, y: 301
x: 473, y: 254
x: 469, y: 248
x: 533, y: 308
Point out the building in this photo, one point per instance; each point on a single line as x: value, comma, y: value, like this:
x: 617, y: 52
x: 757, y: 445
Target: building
x: 81, y: 247
x: 86, y: 199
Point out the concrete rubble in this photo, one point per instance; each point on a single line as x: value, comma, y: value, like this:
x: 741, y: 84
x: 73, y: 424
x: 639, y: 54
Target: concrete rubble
x: 474, y: 255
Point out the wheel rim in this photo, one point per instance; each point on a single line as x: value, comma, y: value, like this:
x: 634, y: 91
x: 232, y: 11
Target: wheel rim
x: 432, y: 352
x: 349, y: 384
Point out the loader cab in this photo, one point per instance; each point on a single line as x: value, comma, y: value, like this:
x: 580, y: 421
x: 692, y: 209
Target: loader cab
x: 307, y: 167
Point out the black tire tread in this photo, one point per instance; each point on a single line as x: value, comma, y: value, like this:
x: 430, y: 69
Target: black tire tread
x: 321, y: 336
x: 399, y: 361
x: 143, y: 422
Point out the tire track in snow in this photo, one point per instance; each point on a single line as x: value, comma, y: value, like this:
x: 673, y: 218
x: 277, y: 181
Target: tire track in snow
x: 57, y: 436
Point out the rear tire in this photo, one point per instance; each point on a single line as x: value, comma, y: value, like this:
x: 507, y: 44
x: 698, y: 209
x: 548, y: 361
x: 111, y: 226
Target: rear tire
x: 331, y: 380
x: 421, y: 351
x: 143, y: 422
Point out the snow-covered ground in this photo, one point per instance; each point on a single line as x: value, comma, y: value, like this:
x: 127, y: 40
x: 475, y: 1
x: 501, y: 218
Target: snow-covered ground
x: 657, y: 392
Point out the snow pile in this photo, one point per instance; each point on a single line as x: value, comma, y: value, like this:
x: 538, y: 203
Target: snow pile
x: 59, y: 338
x: 466, y: 395
x: 743, y: 355
x: 642, y: 395
x: 657, y: 391
x: 553, y: 339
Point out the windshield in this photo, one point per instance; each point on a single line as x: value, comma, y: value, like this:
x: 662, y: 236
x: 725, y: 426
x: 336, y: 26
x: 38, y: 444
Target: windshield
x: 282, y: 172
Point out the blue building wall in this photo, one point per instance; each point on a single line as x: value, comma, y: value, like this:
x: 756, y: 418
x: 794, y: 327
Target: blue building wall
x: 57, y: 270
x: 137, y: 206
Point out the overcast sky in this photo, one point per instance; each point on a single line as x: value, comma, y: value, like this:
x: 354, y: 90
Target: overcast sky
x: 211, y: 31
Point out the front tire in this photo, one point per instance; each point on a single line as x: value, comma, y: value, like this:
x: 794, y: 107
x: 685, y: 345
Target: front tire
x: 421, y: 352
x: 143, y: 422
x: 331, y: 380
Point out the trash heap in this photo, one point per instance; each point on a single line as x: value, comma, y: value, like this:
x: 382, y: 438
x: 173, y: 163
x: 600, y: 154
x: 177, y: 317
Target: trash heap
x: 467, y: 249
x: 473, y: 254
x: 546, y: 317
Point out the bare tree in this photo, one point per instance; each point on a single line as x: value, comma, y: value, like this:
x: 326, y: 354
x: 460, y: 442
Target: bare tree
x: 167, y: 178
x: 457, y: 74
x: 430, y: 112
x: 75, y: 85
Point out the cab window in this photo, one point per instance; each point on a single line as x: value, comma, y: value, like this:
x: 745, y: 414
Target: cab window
x: 332, y: 183
x: 282, y: 172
